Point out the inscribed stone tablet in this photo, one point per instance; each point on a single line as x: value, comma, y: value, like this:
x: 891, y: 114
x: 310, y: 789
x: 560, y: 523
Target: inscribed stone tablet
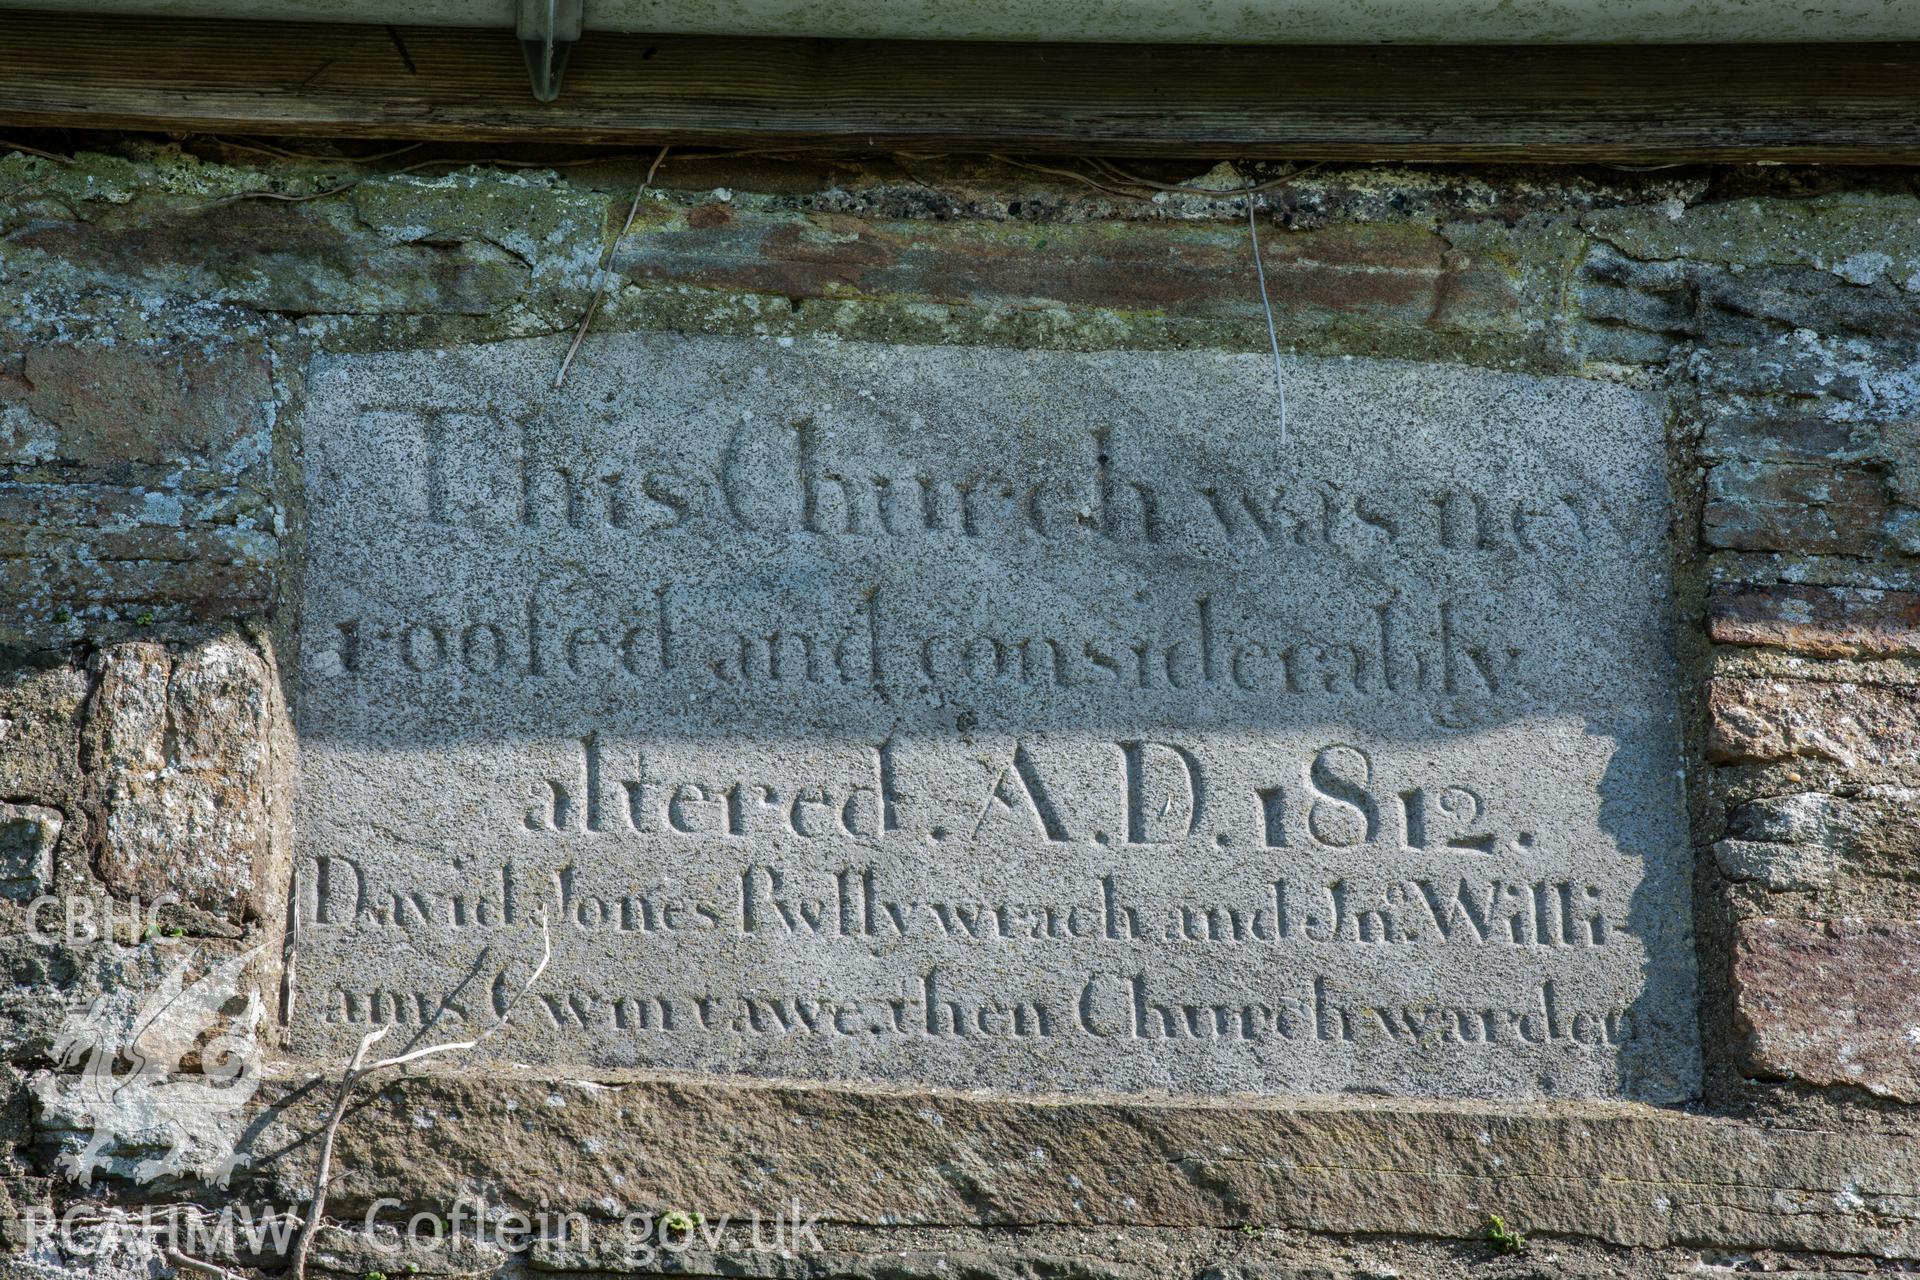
x: 978, y: 717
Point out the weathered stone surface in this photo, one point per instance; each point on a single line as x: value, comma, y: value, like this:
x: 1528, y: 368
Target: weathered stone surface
x: 1785, y: 842
x: 1812, y: 485
x: 1819, y: 508
x: 1803, y: 311
x: 1394, y: 277
x: 305, y: 261
x: 1822, y: 622
x: 178, y: 744
x: 745, y: 1248
x: 1856, y: 236
x: 1832, y: 1003
x: 1628, y: 1175
x: 1754, y: 303
x: 1778, y: 866
x: 1753, y: 321
x: 136, y: 483
x: 813, y: 1262
x: 41, y: 709
x: 44, y: 978
x: 111, y: 405
x: 28, y: 833
x: 1741, y: 272
x: 1803, y: 818
x: 1754, y: 720
x: 981, y: 717
x: 1883, y: 841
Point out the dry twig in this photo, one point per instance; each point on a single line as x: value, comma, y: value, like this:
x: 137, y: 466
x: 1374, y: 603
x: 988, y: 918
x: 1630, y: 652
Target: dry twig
x: 296, y: 197
x: 35, y: 151
x: 288, y: 969
x: 357, y: 1070
x: 606, y: 261
x: 268, y: 149
x: 182, y: 1262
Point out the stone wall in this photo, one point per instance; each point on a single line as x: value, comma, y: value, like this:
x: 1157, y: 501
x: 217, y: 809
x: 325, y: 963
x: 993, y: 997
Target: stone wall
x: 163, y: 301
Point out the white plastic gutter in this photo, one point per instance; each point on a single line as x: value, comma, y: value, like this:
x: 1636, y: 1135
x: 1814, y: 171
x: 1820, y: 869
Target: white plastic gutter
x: 1172, y: 21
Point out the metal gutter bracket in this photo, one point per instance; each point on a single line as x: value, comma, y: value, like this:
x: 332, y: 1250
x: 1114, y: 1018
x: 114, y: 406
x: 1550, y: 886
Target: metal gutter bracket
x: 547, y: 31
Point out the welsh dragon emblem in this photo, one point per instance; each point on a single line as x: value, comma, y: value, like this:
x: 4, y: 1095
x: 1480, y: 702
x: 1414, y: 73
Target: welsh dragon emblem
x: 130, y: 1087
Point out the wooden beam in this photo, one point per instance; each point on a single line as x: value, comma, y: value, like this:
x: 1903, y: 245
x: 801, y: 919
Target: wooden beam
x: 1631, y: 104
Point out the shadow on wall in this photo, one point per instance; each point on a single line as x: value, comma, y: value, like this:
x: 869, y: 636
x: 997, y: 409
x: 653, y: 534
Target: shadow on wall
x: 982, y: 716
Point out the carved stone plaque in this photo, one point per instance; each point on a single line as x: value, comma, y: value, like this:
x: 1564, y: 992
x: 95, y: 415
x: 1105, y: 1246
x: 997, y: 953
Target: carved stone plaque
x: 975, y: 717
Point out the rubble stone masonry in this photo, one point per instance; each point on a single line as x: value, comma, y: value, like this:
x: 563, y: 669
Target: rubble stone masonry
x: 161, y: 301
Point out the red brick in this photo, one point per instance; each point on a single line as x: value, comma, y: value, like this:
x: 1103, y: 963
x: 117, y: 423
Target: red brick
x: 1831, y: 1004
x: 1821, y: 622
x: 1852, y: 724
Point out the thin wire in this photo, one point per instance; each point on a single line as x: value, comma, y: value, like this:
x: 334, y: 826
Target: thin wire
x: 267, y: 149
x: 1067, y: 173
x: 1121, y: 175
x: 606, y: 261
x: 1179, y: 188
x: 1273, y: 337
